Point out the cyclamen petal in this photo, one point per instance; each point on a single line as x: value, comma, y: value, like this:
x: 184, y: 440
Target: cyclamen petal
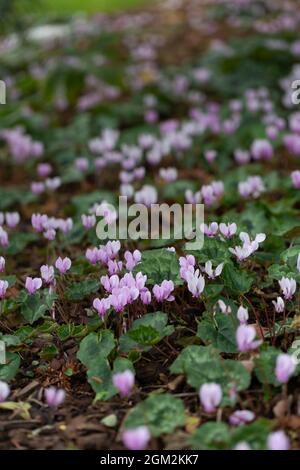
x: 63, y: 265
x: 33, y: 284
x: 137, y: 438
x: 54, y: 396
x: 124, y: 381
x: 4, y: 391
x: 245, y: 335
x: 285, y: 367
x: 278, y: 440
x: 288, y: 287
x: 210, y: 396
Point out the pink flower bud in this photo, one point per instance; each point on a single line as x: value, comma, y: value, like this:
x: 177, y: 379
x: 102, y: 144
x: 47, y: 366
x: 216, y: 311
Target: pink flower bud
x: 54, y: 396
x: 136, y: 439
x: 278, y: 440
x: 285, y: 367
x: 4, y: 391
x: 124, y: 381
x: 210, y: 396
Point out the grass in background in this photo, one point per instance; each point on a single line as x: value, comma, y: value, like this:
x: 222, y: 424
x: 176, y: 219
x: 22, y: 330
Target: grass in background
x: 89, y: 6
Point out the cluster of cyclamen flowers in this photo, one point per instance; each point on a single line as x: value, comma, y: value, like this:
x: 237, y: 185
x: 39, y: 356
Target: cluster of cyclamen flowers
x: 209, y: 194
x: 9, y: 220
x: 48, y: 226
x: 32, y: 285
x: 21, y: 146
x: 226, y: 231
x: 211, y: 396
x: 124, y: 290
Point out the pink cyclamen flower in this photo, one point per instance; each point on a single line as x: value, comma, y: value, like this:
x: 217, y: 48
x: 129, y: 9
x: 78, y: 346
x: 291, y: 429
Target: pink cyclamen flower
x: 124, y: 381
x: 288, y: 287
x: 54, y: 396
x: 210, y: 396
x: 33, y: 284
x: 65, y: 225
x: 3, y: 237
x: 82, y: 164
x: 187, y: 264
x: 227, y: 230
x: 145, y: 296
x: 119, y: 299
x: 213, y: 273
x: 37, y: 187
x: 101, y: 306
x: 114, y: 266
x: 4, y: 391
x: 53, y: 183
x: 2, y: 264
x: 163, y: 291
x: 3, y: 288
x: 245, y: 335
x: 63, y: 265
x: 241, y: 417
x: 47, y: 274
x: 278, y: 304
x: 242, y: 315
x: 241, y: 252
x: 262, y: 150
x: 44, y: 170
x: 132, y: 259
x: 110, y: 283
x: 92, y: 255
x: 39, y: 221
x: 195, y: 283
x: 50, y: 234
x: 210, y: 155
x: 295, y: 176
x: 285, y: 367
x: 278, y: 440
x: 88, y: 221
x: 210, y: 230
x: 253, y: 186
x: 242, y: 156
x: 225, y: 309
x: 137, y: 438
x: 12, y: 219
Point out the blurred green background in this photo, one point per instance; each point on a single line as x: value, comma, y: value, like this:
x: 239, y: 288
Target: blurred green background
x: 90, y: 6
x: 15, y: 15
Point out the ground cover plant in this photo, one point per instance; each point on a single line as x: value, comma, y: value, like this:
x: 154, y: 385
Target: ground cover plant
x: 144, y: 343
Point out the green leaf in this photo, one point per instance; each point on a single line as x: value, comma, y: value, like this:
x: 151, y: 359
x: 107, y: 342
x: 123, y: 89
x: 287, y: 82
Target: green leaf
x: 10, y: 369
x: 203, y: 364
x: 220, y: 330
x: 265, y: 365
x: 161, y: 413
x: 79, y: 290
x: 159, y: 265
x: 211, y: 436
x: 33, y: 308
x: 255, y: 434
x: 146, y: 331
x: 19, y: 241
x: 144, y: 334
x: 83, y: 202
x: 213, y: 249
x: 99, y: 377
x: 238, y: 281
x: 95, y: 346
